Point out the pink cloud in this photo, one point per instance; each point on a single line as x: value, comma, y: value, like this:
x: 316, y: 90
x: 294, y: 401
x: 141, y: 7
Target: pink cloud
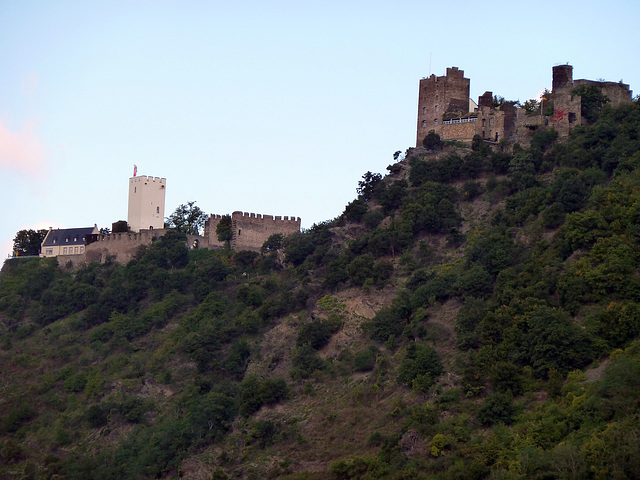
x: 21, y: 150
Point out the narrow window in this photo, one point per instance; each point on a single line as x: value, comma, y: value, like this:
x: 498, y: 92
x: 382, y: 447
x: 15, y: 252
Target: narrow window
x: 435, y: 121
x: 424, y: 124
x: 135, y: 189
x: 491, y: 122
x: 75, y: 250
x: 157, y: 209
x: 239, y: 231
x: 81, y: 249
x: 424, y: 110
x: 64, y: 251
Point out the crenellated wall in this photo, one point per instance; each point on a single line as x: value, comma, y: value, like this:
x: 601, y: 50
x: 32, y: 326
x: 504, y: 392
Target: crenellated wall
x: 251, y: 230
x: 122, y: 247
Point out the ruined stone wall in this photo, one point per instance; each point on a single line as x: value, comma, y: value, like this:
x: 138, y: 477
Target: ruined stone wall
x: 490, y: 124
x: 617, y: 93
x: 250, y: 231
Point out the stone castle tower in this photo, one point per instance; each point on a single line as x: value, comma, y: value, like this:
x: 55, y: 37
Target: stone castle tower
x: 448, y: 94
x: 146, y: 203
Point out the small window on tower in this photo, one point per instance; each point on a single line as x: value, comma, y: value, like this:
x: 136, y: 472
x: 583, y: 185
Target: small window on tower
x: 135, y: 189
x: 435, y: 121
x: 424, y: 109
x: 424, y: 124
x: 157, y: 209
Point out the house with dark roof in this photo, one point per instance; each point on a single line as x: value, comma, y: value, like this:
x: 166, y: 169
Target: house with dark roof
x: 66, y: 241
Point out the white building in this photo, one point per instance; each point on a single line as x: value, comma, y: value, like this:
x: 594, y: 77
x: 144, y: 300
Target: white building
x: 146, y: 203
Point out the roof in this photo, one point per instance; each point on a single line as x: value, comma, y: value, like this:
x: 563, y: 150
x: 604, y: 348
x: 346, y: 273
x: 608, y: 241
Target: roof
x: 67, y: 236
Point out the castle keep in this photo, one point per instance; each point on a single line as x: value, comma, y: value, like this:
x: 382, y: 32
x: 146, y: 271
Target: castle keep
x: 146, y: 202
x: 444, y: 107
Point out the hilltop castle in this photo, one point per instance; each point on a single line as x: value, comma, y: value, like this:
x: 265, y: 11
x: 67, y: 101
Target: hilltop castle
x: 444, y: 107
x: 146, y: 223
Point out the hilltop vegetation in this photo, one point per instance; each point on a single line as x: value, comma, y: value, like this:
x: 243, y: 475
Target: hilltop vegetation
x: 473, y: 314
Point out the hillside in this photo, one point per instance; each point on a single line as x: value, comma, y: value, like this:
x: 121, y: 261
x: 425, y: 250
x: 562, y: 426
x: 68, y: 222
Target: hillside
x: 472, y: 314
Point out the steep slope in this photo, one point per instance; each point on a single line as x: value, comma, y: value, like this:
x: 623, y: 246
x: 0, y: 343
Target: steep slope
x: 473, y: 314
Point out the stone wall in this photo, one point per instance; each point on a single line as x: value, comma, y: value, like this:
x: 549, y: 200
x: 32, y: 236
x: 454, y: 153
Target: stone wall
x: 458, y: 131
x: 122, y: 247
x: 251, y: 230
x: 210, y: 231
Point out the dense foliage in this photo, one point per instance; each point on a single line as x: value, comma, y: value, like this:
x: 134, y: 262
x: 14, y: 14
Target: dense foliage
x: 474, y: 314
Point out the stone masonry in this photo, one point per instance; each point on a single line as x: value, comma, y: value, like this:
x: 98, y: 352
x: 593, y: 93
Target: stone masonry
x: 250, y: 230
x: 444, y: 107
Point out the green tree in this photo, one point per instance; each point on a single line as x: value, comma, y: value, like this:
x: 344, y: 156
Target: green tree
x: 28, y: 242
x: 432, y: 141
x: 592, y: 101
x: 367, y: 186
x: 187, y: 219
x: 420, y: 366
x: 224, y: 230
x: 273, y: 243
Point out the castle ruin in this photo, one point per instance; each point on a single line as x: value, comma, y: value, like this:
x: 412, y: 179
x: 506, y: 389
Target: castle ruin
x: 444, y: 107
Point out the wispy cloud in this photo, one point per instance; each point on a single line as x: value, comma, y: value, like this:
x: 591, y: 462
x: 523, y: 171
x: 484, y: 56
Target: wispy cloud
x: 21, y: 150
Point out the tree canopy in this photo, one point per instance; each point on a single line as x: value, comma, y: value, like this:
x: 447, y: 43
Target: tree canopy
x: 28, y: 242
x: 187, y: 219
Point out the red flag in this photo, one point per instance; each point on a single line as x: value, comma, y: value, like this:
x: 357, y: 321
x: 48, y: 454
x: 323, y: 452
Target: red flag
x: 135, y: 170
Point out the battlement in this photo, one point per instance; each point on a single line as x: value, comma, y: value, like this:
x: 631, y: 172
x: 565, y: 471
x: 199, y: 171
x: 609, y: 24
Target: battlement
x: 445, y: 108
x: 146, y: 178
x: 455, y: 72
x: 265, y: 218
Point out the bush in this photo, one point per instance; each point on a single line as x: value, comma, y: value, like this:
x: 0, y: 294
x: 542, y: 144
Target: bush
x: 316, y: 333
x: 498, y: 407
x: 305, y: 361
x: 365, y: 360
x: 420, y: 367
x: 388, y: 322
x: 432, y: 141
x: 255, y: 392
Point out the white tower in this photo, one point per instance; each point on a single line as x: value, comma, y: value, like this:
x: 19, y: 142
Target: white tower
x: 146, y: 202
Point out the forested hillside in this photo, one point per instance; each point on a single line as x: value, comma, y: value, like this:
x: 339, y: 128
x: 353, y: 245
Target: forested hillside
x: 472, y: 314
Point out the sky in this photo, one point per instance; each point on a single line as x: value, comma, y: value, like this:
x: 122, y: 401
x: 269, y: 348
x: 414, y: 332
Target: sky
x: 272, y: 107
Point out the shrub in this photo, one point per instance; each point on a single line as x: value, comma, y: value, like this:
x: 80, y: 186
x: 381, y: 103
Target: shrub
x: 498, y: 407
x: 316, y: 333
x: 420, y: 367
x: 387, y: 322
x: 255, y: 392
x: 305, y: 361
x: 365, y: 360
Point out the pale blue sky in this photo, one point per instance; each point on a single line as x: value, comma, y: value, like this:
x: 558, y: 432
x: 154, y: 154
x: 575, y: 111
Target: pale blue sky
x: 266, y: 107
